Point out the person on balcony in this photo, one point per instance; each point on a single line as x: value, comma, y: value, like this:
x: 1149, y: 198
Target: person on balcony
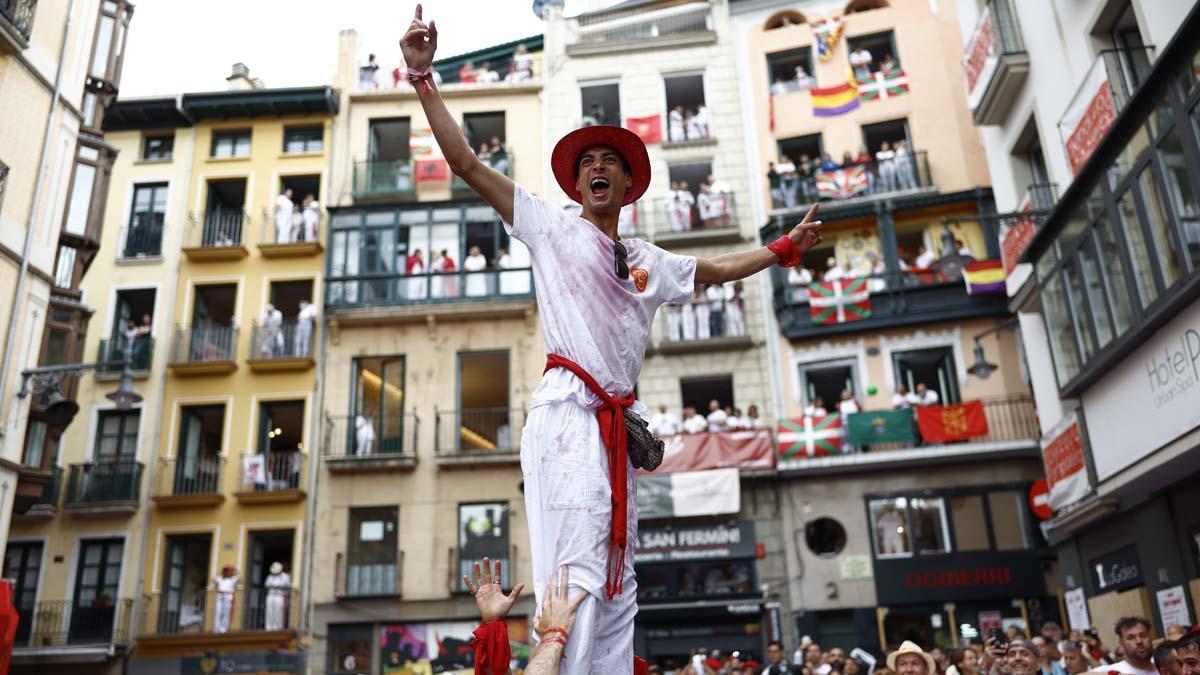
x: 703, y: 311
x: 271, y: 336
x: 735, y: 311
x: 804, y: 81
x: 885, y: 162
x: 963, y: 249
x: 364, y: 436
x: 703, y: 121
x: 466, y: 74
x: 709, y: 206
x: 676, y: 131
x: 860, y: 61
x: 906, y: 175
x: 279, y: 587
x: 924, y: 396
x: 597, y: 296
x: 787, y: 180
x: 523, y: 62
x: 225, y: 586
x: 284, y: 207
x: 925, y: 259
x: 888, y: 65
x: 815, y: 408
x: 306, y: 319
x: 414, y: 267
x: 800, y: 278
x: 664, y: 422
x: 684, y: 206
x: 693, y: 421
x: 717, y: 417
x: 475, y: 266
x: 715, y: 294
x: 776, y: 186
x: 832, y: 271
x: 437, y: 287
x: 486, y: 75
x: 312, y: 219
x: 827, y: 163
x: 366, y: 74
x: 752, y: 420
x: 695, y: 127
x: 499, y: 155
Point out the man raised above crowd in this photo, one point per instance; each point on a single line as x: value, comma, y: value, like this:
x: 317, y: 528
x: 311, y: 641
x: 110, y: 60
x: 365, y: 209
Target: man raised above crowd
x: 597, y: 295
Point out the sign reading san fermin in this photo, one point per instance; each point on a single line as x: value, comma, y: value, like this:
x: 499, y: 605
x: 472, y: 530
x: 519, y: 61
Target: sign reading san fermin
x: 695, y: 542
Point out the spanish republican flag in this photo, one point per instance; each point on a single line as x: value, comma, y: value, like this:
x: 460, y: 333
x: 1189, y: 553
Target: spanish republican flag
x: 984, y: 276
x: 834, y: 101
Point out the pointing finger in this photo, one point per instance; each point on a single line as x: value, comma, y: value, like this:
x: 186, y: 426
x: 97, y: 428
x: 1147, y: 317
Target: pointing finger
x: 432, y: 35
x: 418, y: 14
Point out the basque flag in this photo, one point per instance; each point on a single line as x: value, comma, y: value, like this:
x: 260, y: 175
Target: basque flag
x: 810, y: 436
x: 839, y: 301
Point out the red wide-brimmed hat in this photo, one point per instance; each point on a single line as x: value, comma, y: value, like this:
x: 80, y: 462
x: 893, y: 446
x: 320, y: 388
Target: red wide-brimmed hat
x: 566, y: 155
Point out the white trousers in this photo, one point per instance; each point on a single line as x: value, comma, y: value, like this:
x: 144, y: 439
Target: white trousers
x: 702, y: 328
x: 276, y: 610
x: 735, y: 321
x: 302, y: 341
x: 568, y: 502
x: 224, y: 612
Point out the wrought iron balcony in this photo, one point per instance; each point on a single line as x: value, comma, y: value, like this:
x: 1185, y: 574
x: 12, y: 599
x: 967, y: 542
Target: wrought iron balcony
x: 382, y: 289
x: 284, y: 346
x: 18, y: 15
x: 478, y: 435
x: 854, y: 182
x: 216, y: 235
x: 211, y: 612
x: 603, y: 32
x: 143, y: 239
x: 368, y: 579
x: 204, y: 348
x: 104, y: 488
x: 293, y: 239
x: 189, y: 481
x: 368, y: 443
x: 384, y: 180
x: 1106, y: 89
x: 272, y: 477
x: 94, y: 620
x: 995, y: 63
x: 112, y: 352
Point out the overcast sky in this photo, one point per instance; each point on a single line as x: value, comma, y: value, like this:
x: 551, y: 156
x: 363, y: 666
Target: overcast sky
x: 179, y: 46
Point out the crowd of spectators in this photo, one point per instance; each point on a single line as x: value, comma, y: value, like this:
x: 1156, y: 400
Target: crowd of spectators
x: 891, y: 168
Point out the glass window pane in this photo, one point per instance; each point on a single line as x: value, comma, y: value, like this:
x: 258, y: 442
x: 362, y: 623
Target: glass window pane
x: 929, y: 526
x: 81, y: 199
x: 1095, y: 292
x: 1058, y: 326
x: 1183, y: 197
x: 1115, y: 275
x: 35, y: 441
x: 970, y: 527
x: 1139, y: 250
x: 350, y: 649
x: 64, y: 270
x: 1008, y: 520
x: 888, y: 522
x: 1132, y: 151
x: 483, y: 532
x: 103, y: 46
x: 89, y: 109
x: 1079, y: 310
x: 1189, y: 74
x: 1160, y: 227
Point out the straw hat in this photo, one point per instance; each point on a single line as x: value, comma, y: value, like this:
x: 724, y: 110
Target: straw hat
x: 628, y: 144
x: 910, y: 647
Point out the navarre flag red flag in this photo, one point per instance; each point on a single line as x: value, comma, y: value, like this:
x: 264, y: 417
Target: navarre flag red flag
x: 839, y: 301
x: 648, y: 128
x: 958, y: 422
x: 882, y: 85
x: 842, y: 183
x: 431, y: 170
x: 810, y: 436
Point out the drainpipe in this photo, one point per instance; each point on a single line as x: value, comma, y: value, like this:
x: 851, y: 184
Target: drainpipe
x: 43, y: 160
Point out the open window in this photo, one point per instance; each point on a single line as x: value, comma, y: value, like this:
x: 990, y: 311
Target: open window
x: 144, y: 232
x: 132, y: 329
x: 388, y: 167
x: 212, y: 330
x: 379, y: 401
x: 600, y: 103
x: 97, y: 581
x: 224, y: 215
x: 268, y: 609
x: 280, y: 443
x: 372, y: 551
x: 873, y: 53
x: 822, y: 384
x: 934, y: 368
x: 483, y: 532
x: 280, y: 332
x: 790, y: 70
x: 487, y: 137
x: 875, y: 135
x: 699, y: 392
x: 687, y: 115
x: 183, y: 605
x: 198, y: 455
x: 797, y: 148
x: 484, y: 417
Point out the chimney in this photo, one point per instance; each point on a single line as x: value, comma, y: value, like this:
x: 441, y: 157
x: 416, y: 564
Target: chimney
x: 239, y: 79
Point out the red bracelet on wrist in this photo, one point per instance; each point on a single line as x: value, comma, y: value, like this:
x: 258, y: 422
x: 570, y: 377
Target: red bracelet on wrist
x: 786, y: 251
x: 557, y: 629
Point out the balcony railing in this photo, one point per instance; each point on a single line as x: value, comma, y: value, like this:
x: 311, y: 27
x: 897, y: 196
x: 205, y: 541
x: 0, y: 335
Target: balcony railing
x: 375, y: 289
x: 217, y: 229
x: 143, y: 239
x: 1009, y: 418
x: 702, y: 322
x: 20, y: 14
x: 208, y: 611
x: 368, y: 579
x: 459, y: 187
x: 113, y: 351
x: 185, y: 476
x: 995, y: 63
x: 683, y: 215
x: 104, y: 482
x: 365, y: 437
x: 61, y: 623
x: 205, y: 343
x: 384, y: 179
x: 895, y: 299
x: 689, y: 20
x: 477, y: 432
x: 869, y: 179
x: 291, y: 339
x: 1040, y: 196
x: 51, y: 491
x: 272, y: 471
x: 296, y: 230
x: 689, y: 131
x: 1104, y: 92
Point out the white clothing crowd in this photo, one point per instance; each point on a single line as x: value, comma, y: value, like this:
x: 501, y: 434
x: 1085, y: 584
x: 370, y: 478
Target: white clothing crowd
x: 728, y: 418
x: 688, y: 124
x: 713, y: 311
x: 519, y: 69
x: 712, y: 204
x: 296, y: 223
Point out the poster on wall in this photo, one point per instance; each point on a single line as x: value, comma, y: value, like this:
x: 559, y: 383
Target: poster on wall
x: 1066, y: 469
x: 1077, y: 609
x: 441, y: 647
x: 1172, y: 607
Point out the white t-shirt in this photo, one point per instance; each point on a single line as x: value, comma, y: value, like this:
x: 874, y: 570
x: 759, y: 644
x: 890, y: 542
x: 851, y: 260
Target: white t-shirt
x: 1128, y: 668
x: 664, y: 424
x: 901, y: 401
x: 717, y: 420
x: 695, y: 424
x: 588, y: 314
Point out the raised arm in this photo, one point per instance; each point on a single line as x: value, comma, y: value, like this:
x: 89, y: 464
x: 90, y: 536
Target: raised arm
x: 733, y: 266
x: 418, y: 46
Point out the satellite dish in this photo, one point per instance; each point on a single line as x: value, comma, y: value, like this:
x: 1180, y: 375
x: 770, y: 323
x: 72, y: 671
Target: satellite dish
x: 539, y: 7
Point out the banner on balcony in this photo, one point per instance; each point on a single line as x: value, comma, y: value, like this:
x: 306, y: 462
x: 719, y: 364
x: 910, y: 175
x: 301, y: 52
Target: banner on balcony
x: 979, y: 60
x: 880, y: 426
x: 727, y: 449
x: 882, y: 86
x: 422, y: 144
x: 648, y: 128
x: 836, y: 100
x: 431, y: 170
x: 1066, y: 470
x: 254, y: 470
x: 1089, y: 116
x: 984, y: 276
x: 689, y: 493
x: 810, y: 436
x: 1015, y: 237
x: 842, y: 183
x: 832, y: 302
x: 958, y: 422
x: 827, y: 33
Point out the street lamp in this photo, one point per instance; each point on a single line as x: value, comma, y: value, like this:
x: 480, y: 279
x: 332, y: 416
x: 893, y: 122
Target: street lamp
x: 47, y: 381
x: 982, y: 368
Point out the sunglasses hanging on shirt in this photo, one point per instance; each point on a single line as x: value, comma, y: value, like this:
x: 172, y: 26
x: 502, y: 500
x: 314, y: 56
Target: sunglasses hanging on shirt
x: 620, y: 255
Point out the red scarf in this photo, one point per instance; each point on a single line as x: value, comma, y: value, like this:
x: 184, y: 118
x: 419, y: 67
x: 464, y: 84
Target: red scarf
x: 492, y: 650
x: 611, y: 418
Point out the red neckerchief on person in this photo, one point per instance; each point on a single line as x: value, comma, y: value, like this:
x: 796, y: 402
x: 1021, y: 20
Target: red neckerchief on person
x: 492, y: 649
x: 611, y: 418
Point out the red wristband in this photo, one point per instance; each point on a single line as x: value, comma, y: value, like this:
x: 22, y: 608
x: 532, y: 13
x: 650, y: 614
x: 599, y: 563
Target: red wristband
x: 557, y: 629
x: 785, y: 250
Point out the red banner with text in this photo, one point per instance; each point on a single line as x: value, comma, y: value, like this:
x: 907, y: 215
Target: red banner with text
x: 697, y: 452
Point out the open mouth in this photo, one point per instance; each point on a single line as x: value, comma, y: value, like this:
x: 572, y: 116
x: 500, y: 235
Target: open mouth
x: 599, y: 186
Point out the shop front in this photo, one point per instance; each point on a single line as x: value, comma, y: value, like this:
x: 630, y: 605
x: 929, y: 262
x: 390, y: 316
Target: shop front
x: 698, y: 589
x: 412, y: 647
